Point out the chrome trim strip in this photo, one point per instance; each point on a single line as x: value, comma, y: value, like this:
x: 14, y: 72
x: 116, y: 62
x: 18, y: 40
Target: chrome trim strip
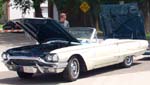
x: 39, y: 68
x: 56, y: 64
x: 57, y: 67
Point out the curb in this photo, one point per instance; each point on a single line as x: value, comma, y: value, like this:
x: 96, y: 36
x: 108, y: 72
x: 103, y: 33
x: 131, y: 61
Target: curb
x: 8, y: 31
x: 3, y: 68
x: 141, y: 56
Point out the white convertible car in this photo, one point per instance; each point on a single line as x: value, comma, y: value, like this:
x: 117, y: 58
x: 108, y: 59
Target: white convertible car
x: 69, y: 51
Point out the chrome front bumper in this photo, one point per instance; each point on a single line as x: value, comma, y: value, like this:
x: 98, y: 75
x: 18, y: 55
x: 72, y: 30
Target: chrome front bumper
x: 38, y: 65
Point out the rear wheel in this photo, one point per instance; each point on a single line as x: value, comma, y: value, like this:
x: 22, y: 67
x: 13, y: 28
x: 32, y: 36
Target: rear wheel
x: 72, y: 71
x: 24, y: 75
x: 128, y: 61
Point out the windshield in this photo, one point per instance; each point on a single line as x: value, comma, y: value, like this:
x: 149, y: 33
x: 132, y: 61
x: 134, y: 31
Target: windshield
x: 81, y: 32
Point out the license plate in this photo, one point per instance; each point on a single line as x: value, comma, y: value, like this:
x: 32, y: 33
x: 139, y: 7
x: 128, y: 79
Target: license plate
x: 29, y: 69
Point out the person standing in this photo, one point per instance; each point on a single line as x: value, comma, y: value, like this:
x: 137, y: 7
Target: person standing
x: 63, y: 20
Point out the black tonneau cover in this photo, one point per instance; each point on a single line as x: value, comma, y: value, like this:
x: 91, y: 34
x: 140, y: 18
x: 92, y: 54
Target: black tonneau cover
x: 122, y: 21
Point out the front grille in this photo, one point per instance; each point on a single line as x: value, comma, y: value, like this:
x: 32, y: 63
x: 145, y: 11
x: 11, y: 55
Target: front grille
x: 24, y: 62
x: 27, y: 62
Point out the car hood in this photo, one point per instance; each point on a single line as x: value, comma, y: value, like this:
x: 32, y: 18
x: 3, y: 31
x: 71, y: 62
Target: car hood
x: 43, y: 30
x: 30, y: 51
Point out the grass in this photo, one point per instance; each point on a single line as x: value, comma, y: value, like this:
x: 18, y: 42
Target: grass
x: 1, y: 27
x: 148, y: 36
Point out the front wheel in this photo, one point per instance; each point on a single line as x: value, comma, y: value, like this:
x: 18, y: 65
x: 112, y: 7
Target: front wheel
x: 72, y: 71
x: 128, y: 61
x: 24, y: 75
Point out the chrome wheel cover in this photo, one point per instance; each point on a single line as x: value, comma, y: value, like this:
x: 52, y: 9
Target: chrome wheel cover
x: 75, y: 68
x: 128, y: 60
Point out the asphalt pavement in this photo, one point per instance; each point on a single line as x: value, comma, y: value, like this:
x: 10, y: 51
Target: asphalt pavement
x: 11, y: 40
x: 138, y: 74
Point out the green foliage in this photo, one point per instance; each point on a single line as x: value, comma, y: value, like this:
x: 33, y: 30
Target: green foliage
x: 1, y: 8
x: 22, y: 4
x: 1, y: 26
x: 148, y: 36
x: 25, y: 5
x: 73, y: 6
x: 64, y: 5
x: 116, y: 1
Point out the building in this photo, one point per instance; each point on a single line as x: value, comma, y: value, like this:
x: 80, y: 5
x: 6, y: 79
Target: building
x: 15, y: 13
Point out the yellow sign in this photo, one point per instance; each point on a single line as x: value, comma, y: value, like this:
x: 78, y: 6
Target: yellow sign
x: 84, y: 7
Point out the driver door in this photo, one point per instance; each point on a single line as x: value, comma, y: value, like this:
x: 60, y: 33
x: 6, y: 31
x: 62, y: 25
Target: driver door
x: 106, y: 54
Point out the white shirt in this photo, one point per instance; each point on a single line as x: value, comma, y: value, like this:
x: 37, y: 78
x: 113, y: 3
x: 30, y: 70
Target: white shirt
x: 65, y: 24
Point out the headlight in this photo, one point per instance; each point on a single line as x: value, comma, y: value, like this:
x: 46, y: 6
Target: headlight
x: 52, y: 58
x: 5, y: 56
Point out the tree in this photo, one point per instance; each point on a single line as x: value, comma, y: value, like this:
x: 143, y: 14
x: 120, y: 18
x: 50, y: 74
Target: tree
x: 25, y: 5
x: 72, y: 8
x: 36, y: 6
x: 145, y: 6
x: 75, y: 16
x: 78, y: 18
x: 1, y: 8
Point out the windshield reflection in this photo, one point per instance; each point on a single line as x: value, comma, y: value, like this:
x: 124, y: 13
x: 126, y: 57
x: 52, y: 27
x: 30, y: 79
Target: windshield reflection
x: 81, y: 32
